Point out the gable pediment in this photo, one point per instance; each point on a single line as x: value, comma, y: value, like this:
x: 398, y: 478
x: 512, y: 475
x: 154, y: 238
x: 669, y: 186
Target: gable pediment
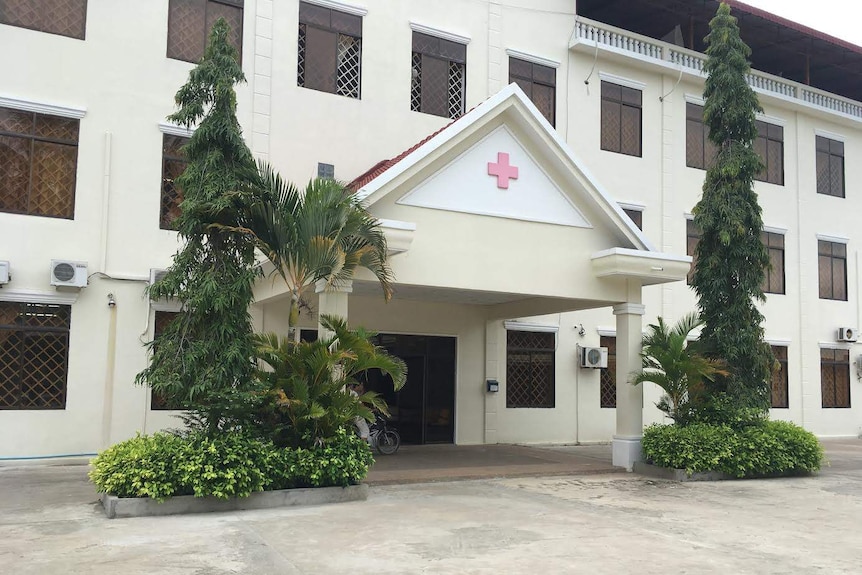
x: 497, y: 177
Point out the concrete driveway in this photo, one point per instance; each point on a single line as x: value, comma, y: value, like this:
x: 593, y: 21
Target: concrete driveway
x: 618, y: 523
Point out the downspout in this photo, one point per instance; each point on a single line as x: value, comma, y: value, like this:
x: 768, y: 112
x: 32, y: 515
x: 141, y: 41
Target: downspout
x: 108, y: 401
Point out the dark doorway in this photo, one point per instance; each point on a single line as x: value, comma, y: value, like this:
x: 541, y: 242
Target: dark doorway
x: 424, y: 409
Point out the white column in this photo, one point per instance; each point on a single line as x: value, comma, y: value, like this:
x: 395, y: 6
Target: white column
x: 331, y: 301
x: 495, y: 349
x: 627, y: 439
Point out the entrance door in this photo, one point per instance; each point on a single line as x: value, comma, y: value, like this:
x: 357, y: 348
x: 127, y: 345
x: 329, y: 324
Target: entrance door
x: 424, y: 409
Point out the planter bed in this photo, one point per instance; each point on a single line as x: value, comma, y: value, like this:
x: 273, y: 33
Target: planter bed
x: 144, y: 506
x: 678, y: 474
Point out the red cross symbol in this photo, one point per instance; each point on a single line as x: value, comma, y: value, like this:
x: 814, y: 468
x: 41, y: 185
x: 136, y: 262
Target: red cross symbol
x: 502, y: 170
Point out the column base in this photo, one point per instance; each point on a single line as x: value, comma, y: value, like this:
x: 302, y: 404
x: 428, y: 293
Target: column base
x: 626, y: 450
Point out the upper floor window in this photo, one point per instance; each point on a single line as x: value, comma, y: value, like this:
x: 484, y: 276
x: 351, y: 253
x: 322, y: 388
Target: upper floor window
x: 832, y: 270
x: 174, y: 163
x: 329, y: 51
x: 438, y: 76
x: 621, y: 119
x: 700, y: 152
x: 608, y: 375
x: 778, y: 391
x: 692, y: 238
x: 158, y: 401
x: 834, y: 378
x: 769, y: 145
x: 830, y: 167
x: 773, y: 280
x: 62, y: 17
x: 38, y: 164
x: 190, y: 21
x: 34, y: 355
x: 636, y: 216
x: 539, y: 84
x: 530, y: 372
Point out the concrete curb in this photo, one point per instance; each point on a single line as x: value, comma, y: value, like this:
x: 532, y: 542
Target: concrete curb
x: 678, y: 474
x: 143, y: 506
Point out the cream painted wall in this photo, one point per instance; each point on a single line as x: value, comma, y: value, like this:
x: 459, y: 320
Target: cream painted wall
x: 122, y: 79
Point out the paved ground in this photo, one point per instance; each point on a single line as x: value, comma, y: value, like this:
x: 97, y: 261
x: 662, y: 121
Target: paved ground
x: 618, y: 523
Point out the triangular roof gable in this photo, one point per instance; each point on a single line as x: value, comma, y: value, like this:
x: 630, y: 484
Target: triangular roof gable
x: 518, y: 109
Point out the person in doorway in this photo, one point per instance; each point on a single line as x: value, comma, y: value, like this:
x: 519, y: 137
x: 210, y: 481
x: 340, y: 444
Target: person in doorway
x: 360, y: 423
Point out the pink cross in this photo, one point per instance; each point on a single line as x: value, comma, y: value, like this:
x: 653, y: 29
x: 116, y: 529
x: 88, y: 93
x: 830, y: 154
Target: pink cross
x: 502, y: 170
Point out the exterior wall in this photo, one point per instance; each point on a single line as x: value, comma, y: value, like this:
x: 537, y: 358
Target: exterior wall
x: 120, y: 76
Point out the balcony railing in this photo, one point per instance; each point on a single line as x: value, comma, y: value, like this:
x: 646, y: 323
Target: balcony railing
x: 622, y: 41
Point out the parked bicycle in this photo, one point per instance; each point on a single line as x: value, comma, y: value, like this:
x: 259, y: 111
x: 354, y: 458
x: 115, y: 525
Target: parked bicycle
x: 384, y: 438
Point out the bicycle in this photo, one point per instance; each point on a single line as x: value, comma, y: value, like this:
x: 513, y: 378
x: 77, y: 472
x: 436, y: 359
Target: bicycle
x: 385, y: 439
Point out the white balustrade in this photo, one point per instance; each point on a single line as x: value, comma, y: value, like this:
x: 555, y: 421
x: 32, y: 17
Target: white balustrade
x: 604, y: 35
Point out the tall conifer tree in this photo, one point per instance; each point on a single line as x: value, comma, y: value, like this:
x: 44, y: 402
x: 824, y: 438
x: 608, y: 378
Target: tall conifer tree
x: 731, y: 259
x: 203, y: 359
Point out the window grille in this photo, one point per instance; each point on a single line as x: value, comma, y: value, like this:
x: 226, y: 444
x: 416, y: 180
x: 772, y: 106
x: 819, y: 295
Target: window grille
x: 835, y: 378
x: 530, y: 369
x: 830, y: 167
x: 779, y: 394
x: 174, y: 163
x: 190, y: 22
x: 621, y: 119
x: 438, y: 81
x: 832, y: 270
x: 538, y: 83
x: 61, y: 17
x: 329, y: 51
x: 608, y: 375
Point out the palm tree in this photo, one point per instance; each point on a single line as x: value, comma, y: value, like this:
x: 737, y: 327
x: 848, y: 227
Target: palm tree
x: 324, y: 234
x: 307, y: 382
x: 674, y: 365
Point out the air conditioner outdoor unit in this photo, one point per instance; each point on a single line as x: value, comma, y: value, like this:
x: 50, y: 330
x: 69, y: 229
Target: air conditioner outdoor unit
x: 66, y: 273
x: 4, y: 273
x: 594, y: 357
x: 847, y: 334
x: 156, y: 274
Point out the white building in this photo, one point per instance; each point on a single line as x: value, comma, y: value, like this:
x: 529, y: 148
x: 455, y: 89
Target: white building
x: 510, y: 248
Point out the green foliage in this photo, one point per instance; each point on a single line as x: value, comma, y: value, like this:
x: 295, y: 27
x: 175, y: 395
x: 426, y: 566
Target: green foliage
x: 203, y: 358
x: 768, y: 448
x: 674, y: 364
x: 229, y: 465
x: 307, y: 383
x: 323, y: 233
x: 731, y: 259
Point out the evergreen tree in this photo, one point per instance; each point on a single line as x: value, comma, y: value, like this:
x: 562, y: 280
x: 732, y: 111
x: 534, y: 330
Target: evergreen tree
x: 731, y: 260
x: 203, y: 360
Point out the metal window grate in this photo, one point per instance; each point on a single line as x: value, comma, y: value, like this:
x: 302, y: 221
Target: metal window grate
x: 325, y: 170
x: 830, y: 167
x: 62, y: 17
x: 530, y: 369
x: 300, y: 59
x: 347, y: 75
x: 835, y: 378
x: 173, y: 165
x: 608, y: 375
x: 773, y: 279
x: 769, y: 146
x: 34, y: 351
x: 832, y: 270
x: 38, y: 164
x: 190, y: 22
x: 456, y: 90
x: 621, y: 119
x: 159, y: 402
x: 416, y: 83
x: 779, y: 393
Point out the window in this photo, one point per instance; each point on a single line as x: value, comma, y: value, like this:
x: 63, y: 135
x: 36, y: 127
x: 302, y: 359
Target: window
x: 779, y: 378
x: 159, y: 402
x: 330, y: 50
x: 832, y: 266
x: 326, y: 171
x: 692, y: 238
x: 38, y: 164
x: 830, y: 167
x: 773, y: 281
x: 538, y: 83
x: 438, y: 84
x: 608, y: 375
x: 173, y: 165
x: 835, y: 377
x: 530, y: 368
x: 769, y: 145
x: 700, y: 152
x: 62, y: 17
x: 621, y: 119
x: 190, y: 21
x: 636, y: 216
x: 34, y: 355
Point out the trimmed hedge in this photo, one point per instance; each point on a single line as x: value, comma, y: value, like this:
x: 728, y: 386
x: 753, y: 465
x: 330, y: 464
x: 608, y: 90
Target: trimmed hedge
x: 769, y: 448
x: 231, y: 465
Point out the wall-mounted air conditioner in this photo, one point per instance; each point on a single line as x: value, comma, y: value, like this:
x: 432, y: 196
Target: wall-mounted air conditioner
x: 847, y: 334
x: 4, y: 272
x: 593, y: 357
x: 66, y: 273
x: 156, y: 274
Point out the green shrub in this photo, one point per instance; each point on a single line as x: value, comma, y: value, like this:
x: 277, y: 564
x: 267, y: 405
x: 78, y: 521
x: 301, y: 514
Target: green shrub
x: 767, y: 448
x: 228, y: 465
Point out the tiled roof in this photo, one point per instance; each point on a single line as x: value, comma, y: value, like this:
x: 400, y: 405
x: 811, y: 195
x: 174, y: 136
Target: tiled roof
x: 372, y: 173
